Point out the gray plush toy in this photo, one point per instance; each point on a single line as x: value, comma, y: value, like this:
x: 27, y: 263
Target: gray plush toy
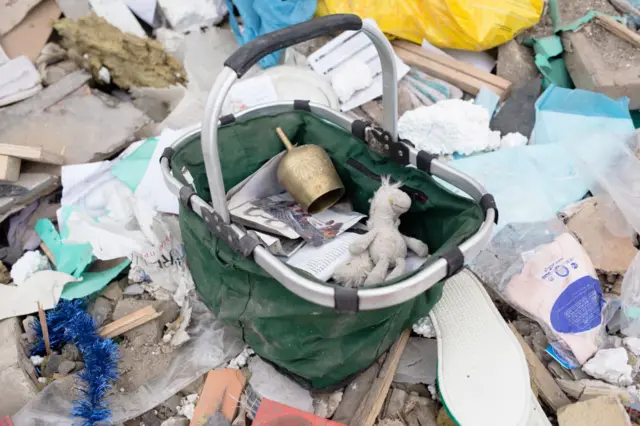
x: 383, y: 246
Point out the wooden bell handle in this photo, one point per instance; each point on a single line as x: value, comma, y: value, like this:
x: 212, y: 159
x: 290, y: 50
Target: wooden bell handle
x: 285, y: 140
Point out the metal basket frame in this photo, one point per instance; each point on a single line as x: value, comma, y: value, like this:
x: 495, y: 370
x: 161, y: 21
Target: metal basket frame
x: 217, y: 215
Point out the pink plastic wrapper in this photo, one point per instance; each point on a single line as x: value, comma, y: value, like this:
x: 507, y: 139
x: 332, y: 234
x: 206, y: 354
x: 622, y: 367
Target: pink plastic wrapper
x: 558, y: 286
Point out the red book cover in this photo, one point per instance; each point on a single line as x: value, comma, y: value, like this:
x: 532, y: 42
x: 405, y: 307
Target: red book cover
x: 271, y: 413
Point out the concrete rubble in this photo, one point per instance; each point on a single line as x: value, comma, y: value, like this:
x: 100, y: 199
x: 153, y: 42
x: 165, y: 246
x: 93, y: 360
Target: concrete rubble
x: 17, y: 373
x: 612, y: 366
x: 597, y: 59
x: 601, y: 411
x: 515, y: 63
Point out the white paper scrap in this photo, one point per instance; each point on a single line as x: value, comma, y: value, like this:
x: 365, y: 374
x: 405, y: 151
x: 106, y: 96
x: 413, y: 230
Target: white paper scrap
x: 249, y: 93
x: 118, y: 14
x: 44, y: 287
x: 353, y: 45
x: 19, y: 79
x: 152, y: 188
x: 481, y: 60
x: 321, y: 262
x: 145, y: 9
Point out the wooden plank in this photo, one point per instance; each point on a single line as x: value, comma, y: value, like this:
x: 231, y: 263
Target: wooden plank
x: 129, y: 322
x: 356, y: 391
x: 459, y: 79
x: 222, y: 391
x: 455, y: 64
x: 31, y: 153
x: 370, y: 408
x: 547, y: 387
x: 619, y: 29
x: 9, y: 168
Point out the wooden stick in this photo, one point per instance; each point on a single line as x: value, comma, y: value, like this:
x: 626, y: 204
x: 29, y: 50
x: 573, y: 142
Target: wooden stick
x: 47, y: 251
x: 129, y: 322
x: 45, y: 329
x: 548, y: 388
x: 459, y: 79
x: 454, y: 64
x: 619, y: 29
x: 370, y: 408
x: 285, y: 140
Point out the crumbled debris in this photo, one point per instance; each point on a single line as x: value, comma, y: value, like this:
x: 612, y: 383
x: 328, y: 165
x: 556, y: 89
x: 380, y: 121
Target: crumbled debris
x: 37, y: 360
x: 66, y: 367
x: 242, y: 359
x: 610, y: 365
x: 188, y: 406
x: 601, y: 411
x: 70, y: 352
x: 134, y: 290
x: 5, y: 276
x: 515, y: 63
x: 101, y: 311
x: 326, y: 404
x: 113, y: 291
x: 52, y: 364
x: 425, y: 328
x: 130, y: 60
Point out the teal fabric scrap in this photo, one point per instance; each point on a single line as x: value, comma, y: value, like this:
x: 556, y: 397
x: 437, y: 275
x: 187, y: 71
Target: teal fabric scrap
x: 92, y: 282
x: 564, y: 114
x: 546, y: 171
x: 549, y: 61
x: 549, y: 50
x: 72, y: 259
x: 487, y: 99
x: 132, y: 168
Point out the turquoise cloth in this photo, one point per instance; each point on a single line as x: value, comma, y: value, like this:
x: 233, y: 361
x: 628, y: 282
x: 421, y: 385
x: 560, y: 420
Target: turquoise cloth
x: 563, y: 114
x: 530, y: 183
x: 260, y: 17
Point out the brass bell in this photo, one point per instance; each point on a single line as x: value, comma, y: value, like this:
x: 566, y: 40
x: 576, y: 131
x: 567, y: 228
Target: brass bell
x: 307, y: 173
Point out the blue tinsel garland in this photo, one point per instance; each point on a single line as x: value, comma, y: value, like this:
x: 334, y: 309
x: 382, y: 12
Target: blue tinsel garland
x: 69, y: 322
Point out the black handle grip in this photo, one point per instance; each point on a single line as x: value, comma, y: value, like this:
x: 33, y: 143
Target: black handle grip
x: 256, y: 49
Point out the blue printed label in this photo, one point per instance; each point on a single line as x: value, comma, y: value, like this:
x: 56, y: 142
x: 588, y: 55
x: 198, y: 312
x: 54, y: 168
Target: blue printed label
x: 565, y: 359
x: 579, y: 306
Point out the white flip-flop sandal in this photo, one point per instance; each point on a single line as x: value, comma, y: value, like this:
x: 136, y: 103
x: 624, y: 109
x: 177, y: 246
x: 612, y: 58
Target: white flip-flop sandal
x: 483, y: 376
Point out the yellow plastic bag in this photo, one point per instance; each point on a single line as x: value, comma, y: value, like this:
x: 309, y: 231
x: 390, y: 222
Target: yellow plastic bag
x: 458, y: 24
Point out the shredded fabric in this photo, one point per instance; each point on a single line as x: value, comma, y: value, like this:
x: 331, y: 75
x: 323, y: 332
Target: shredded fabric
x: 451, y: 126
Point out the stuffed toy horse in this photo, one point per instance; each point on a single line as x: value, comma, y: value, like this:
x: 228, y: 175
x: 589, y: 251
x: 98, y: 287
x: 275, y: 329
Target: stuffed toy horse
x: 383, y: 246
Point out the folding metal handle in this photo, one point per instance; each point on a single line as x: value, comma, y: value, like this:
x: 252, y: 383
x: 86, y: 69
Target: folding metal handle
x: 252, y: 52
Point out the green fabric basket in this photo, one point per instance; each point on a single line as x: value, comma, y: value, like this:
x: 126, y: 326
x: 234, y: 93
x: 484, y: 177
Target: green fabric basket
x: 320, y: 347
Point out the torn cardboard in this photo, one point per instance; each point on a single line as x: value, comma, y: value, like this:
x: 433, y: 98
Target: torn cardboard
x: 601, y: 411
x: 608, y: 253
x: 28, y: 37
x: 13, y: 12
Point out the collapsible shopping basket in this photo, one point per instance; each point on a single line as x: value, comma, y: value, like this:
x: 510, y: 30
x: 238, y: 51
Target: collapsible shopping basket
x: 318, y: 332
